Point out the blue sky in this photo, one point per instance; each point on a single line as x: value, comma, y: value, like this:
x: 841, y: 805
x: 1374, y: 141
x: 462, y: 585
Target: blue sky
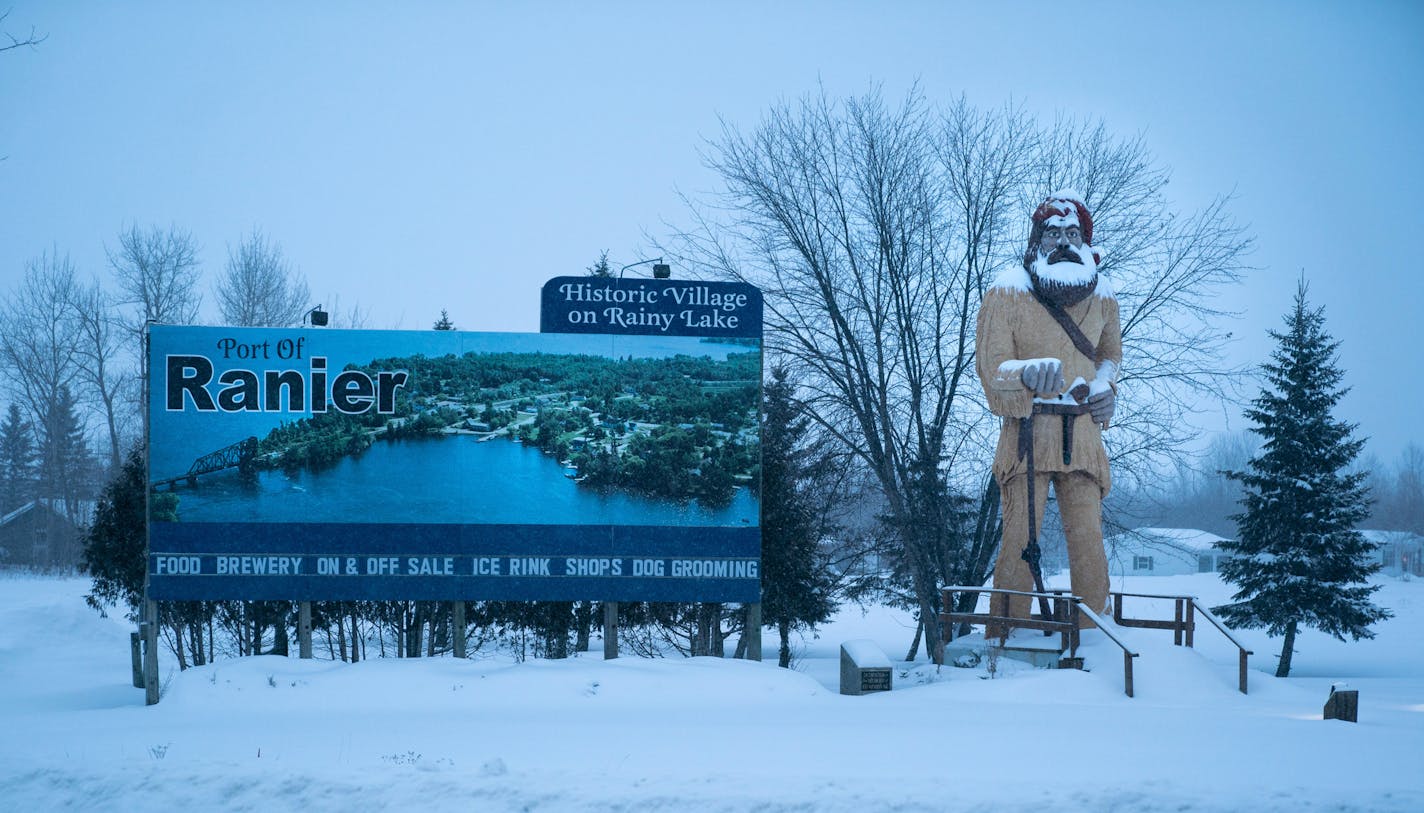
x: 450, y: 155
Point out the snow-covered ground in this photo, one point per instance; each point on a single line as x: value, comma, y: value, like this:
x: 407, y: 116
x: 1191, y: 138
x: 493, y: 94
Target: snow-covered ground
x: 272, y: 733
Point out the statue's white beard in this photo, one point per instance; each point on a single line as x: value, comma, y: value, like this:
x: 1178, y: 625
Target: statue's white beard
x: 1067, y: 273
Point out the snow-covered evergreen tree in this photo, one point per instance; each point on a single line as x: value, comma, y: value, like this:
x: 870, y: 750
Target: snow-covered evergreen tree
x: 1298, y: 558
x: 17, y: 461
x: 795, y: 592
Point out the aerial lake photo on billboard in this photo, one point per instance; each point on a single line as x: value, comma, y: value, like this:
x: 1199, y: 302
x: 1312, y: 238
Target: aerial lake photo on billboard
x: 291, y: 441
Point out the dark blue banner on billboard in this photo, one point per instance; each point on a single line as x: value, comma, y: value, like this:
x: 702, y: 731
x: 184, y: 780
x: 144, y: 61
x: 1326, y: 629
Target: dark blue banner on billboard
x: 345, y: 464
x: 651, y: 307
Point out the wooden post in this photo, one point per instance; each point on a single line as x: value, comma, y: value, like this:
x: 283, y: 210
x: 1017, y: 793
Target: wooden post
x: 1343, y: 705
x: 754, y: 632
x: 1177, y: 622
x: 457, y: 627
x: 1117, y: 607
x: 1127, y: 672
x: 1243, y: 671
x: 150, y: 652
x: 610, y: 630
x: 304, y: 645
x: 1191, y: 619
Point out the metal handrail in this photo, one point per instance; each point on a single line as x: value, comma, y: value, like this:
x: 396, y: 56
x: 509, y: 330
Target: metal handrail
x: 1192, y: 605
x: 1213, y: 619
x: 1092, y: 616
x: 1146, y: 595
x: 1242, y: 651
x: 1127, y: 654
x: 1078, y: 607
x: 983, y: 589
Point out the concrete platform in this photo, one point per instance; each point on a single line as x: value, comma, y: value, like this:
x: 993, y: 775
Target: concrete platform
x: 1029, y: 646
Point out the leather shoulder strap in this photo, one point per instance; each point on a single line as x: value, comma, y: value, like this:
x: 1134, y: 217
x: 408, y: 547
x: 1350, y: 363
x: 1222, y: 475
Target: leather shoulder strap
x: 1075, y: 333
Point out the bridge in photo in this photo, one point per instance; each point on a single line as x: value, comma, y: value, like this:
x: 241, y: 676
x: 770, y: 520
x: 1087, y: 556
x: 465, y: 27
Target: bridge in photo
x: 239, y: 455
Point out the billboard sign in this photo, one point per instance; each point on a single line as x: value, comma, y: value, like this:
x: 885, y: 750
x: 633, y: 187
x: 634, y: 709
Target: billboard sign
x: 437, y: 465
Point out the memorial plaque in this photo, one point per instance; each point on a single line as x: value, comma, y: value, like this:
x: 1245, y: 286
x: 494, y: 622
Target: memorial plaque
x: 864, y: 668
x: 875, y: 680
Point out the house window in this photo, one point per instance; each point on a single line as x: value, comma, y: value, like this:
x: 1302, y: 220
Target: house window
x: 1142, y: 563
x: 1205, y: 563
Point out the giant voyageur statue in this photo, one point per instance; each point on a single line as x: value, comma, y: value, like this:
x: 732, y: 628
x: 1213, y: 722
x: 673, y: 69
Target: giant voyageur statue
x: 1049, y: 347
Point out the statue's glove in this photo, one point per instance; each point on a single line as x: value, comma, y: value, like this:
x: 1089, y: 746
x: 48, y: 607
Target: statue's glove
x: 1101, y: 406
x: 1044, y: 377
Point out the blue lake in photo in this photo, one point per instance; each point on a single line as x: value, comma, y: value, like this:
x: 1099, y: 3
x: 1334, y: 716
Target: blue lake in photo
x: 454, y: 479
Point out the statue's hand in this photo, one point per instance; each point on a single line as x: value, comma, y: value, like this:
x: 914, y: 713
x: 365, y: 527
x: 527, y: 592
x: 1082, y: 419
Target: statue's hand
x: 1101, y: 406
x: 1044, y: 377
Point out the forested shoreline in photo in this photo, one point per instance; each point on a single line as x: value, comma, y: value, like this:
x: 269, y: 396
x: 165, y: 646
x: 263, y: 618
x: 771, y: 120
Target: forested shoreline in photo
x: 681, y: 427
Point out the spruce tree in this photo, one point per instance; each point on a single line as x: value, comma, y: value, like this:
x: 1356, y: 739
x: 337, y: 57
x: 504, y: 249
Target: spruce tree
x: 68, y: 469
x: 116, y: 543
x: 444, y: 323
x: 1298, y: 558
x: 795, y: 592
x: 17, y: 461
x: 601, y: 268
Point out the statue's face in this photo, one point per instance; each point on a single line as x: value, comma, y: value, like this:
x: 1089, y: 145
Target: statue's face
x: 1060, y: 235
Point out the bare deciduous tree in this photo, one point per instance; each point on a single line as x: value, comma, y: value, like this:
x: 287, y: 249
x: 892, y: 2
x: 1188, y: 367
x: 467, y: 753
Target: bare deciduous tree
x: 157, y: 276
x: 354, y: 317
x: 9, y: 42
x: 100, y: 366
x: 873, y: 233
x: 259, y: 287
x: 40, y: 352
x: 39, y: 344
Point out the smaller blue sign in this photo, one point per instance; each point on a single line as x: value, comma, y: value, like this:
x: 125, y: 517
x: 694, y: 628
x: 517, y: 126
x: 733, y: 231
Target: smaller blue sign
x: 656, y: 307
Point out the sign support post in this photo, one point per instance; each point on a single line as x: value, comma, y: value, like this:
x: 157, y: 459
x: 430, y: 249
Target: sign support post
x: 304, y: 622
x: 150, y: 652
x: 610, y: 630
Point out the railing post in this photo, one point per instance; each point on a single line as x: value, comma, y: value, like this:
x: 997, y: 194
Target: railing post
x: 1117, y: 607
x: 1244, y: 653
x: 1127, y: 672
x: 1177, y: 622
x: 1191, y: 620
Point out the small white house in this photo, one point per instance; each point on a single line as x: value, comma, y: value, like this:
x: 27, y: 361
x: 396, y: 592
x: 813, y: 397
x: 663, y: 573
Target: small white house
x: 1398, y: 552
x: 1163, y: 552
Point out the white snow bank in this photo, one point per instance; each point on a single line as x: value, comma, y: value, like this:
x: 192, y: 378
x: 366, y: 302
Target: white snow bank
x: 705, y: 733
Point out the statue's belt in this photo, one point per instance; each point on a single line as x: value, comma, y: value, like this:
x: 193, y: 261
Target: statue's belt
x: 1068, y: 411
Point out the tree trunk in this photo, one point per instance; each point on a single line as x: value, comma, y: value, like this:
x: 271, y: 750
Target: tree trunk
x: 341, y: 637
x: 195, y: 642
x: 583, y: 615
x: 718, y: 639
x: 1283, y: 668
x: 915, y: 644
x: 355, y: 638
x: 414, y: 628
x: 280, y: 642
x: 178, y: 646
x: 929, y: 623
x: 783, y: 626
